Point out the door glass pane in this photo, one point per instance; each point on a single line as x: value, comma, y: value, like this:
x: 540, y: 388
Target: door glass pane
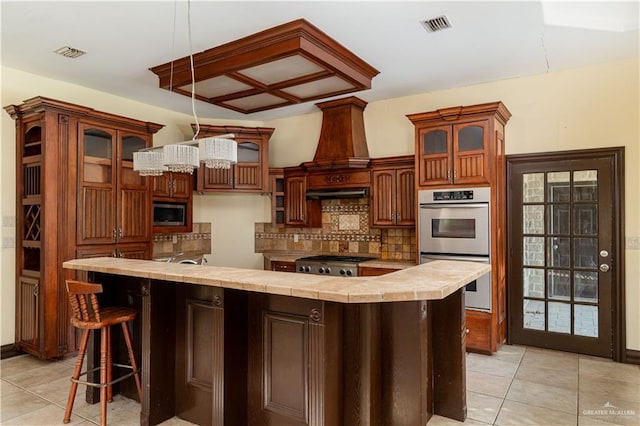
x: 533, y: 187
x: 533, y: 219
x: 533, y: 282
x: 248, y: 152
x: 559, y: 218
x: 585, y: 219
x: 97, y: 143
x: 560, y: 317
x: 559, y: 285
x: 585, y: 185
x: 585, y: 286
x: 470, y: 138
x: 586, y: 252
x: 533, y: 314
x: 558, y: 184
x: 131, y: 144
x: 559, y: 251
x: 435, y: 142
x: 533, y: 251
x: 585, y: 318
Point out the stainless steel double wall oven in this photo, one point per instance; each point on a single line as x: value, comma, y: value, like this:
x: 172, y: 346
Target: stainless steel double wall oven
x: 454, y: 224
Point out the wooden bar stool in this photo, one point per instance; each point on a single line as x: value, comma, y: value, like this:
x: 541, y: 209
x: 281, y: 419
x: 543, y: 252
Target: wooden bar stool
x: 88, y: 316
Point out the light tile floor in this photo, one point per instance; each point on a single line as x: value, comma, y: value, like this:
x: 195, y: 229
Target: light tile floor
x: 516, y: 386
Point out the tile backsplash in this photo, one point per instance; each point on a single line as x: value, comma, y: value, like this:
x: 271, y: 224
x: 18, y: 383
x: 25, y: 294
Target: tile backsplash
x: 345, y: 229
x: 196, y: 242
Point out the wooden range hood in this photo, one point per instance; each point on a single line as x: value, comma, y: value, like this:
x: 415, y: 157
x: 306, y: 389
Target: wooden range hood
x: 342, y: 143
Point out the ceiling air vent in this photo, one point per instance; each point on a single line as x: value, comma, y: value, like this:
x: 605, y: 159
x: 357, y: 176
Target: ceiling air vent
x: 70, y: 52
x: 437, y: 24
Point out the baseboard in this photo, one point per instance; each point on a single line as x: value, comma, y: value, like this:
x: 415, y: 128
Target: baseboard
x: 633, y: 356
x: 8, y: 351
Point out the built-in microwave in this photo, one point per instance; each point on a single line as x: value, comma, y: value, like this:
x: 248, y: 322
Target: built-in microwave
x: 169, y: 214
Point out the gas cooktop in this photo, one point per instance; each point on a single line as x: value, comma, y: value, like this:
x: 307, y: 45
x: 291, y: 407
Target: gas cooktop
x: 332, y: 258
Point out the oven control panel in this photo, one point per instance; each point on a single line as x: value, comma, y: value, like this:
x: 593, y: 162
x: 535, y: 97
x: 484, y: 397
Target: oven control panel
x: 452, y: 195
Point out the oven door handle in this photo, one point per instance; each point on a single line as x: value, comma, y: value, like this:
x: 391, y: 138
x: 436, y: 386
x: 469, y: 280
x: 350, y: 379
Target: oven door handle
x: 455, y: 206
x: 483, y: 259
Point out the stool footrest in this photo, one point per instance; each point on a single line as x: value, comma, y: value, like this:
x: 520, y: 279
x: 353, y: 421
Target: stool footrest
x: 102, y: 385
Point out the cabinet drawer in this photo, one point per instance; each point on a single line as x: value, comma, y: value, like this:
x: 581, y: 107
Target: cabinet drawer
x: 283, y: 266
x: 479, y: 335
x: 371, y: 271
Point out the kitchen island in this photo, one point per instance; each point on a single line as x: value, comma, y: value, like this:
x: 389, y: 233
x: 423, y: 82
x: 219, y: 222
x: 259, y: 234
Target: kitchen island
x: 229, y: 346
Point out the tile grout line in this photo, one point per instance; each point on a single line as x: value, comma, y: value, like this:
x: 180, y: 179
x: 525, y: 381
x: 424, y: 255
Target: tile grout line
x: 30, y: 392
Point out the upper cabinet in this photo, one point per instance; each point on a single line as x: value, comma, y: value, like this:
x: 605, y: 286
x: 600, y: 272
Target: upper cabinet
x: 251, y: 173
x: 113, y: 198
x: 299, y: 211
x: 457, y: 146
x: 393, y: 202
x: 172, y: 187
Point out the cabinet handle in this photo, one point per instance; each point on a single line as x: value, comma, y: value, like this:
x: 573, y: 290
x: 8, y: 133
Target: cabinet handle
x: 466, y: 331
x: 35, y: 290
x: 120, y: 233
x: 448, y: 174
x: 121, y: 254
x: 455, y: 174
x: 113, y: 254
x: 115, y: 234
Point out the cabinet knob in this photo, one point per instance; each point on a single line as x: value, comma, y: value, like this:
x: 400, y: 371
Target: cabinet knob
x: 466, y: 331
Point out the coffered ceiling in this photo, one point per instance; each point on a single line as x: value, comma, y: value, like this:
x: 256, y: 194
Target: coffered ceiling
x: 487, y: 41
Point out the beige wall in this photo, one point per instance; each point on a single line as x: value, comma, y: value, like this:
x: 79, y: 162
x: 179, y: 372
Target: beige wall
x: 590, y: 107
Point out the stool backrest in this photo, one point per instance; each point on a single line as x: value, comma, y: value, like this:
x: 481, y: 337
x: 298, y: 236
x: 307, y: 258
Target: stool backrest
x: 83, y: 300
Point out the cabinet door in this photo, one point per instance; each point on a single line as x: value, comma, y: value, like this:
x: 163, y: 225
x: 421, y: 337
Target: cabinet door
x: 96, y: 223
x: 283, y: 266
x: 434, y: 155
x: 470, y: 152
x: 295, y: 201
x: 209, y: 179
x: 133, y: 251
x: 383, y: 197
x: 181, y: 185
x: 27, y: 313
x: 248, y: 172
x: 161, y: 185
x: 134, y: 201
x: 405, y: 196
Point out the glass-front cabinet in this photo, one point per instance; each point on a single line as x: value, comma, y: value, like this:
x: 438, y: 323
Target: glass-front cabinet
x: 453, y: 154
x: 250, y: 173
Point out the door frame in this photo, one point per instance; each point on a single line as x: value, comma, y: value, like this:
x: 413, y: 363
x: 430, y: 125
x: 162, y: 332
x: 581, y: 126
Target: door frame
x: 618, y: 303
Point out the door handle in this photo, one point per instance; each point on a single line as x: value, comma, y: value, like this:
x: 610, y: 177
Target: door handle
x: 604, y: 267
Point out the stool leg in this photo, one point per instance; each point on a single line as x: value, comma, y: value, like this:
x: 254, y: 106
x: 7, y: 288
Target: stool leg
x: 76, y: 375
x: 104, y: 354
x: 132, y: 358
x: 109, y: 366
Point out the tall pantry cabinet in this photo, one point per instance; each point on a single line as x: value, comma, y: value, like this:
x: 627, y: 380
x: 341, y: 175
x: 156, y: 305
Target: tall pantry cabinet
x: 76, y: 196
x: 463, y: 147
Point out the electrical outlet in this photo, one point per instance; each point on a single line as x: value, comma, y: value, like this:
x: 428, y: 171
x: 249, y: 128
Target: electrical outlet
x: 8, y: 221
x: 8, y: 242
x: 296, y: 238
x: 175, y: 239
x: 633, y: 243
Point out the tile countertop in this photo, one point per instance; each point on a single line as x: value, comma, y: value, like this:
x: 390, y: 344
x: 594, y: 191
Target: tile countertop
x: 430, y: 281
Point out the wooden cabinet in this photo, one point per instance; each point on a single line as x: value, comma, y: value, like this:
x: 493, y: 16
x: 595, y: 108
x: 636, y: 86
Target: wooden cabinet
x: 77, y: 195
x: 458, y: 145
x: 374, y: 271
x: 251, y: 173
x: 174, y: 188
x: 464, y: 147
x: 298, y: 210
x: 282, y: 266
x: 393, y: 202
x: 113, y: 199
x: 276, y: 187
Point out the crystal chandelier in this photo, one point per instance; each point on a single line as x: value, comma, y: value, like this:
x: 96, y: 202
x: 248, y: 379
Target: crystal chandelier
x: 218, y: 153
x: 180, y: 158
x: 149, y: 163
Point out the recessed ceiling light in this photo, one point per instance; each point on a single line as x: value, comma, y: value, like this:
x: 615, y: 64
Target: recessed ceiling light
x: 437, y: 24
x: 70, y: 52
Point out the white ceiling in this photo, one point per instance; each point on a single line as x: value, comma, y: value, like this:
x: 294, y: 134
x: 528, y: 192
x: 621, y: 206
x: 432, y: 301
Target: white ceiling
x: 489, y: 41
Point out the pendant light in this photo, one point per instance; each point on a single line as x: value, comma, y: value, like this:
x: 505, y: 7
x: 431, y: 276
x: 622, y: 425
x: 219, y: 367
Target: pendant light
x: 216, y: 152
